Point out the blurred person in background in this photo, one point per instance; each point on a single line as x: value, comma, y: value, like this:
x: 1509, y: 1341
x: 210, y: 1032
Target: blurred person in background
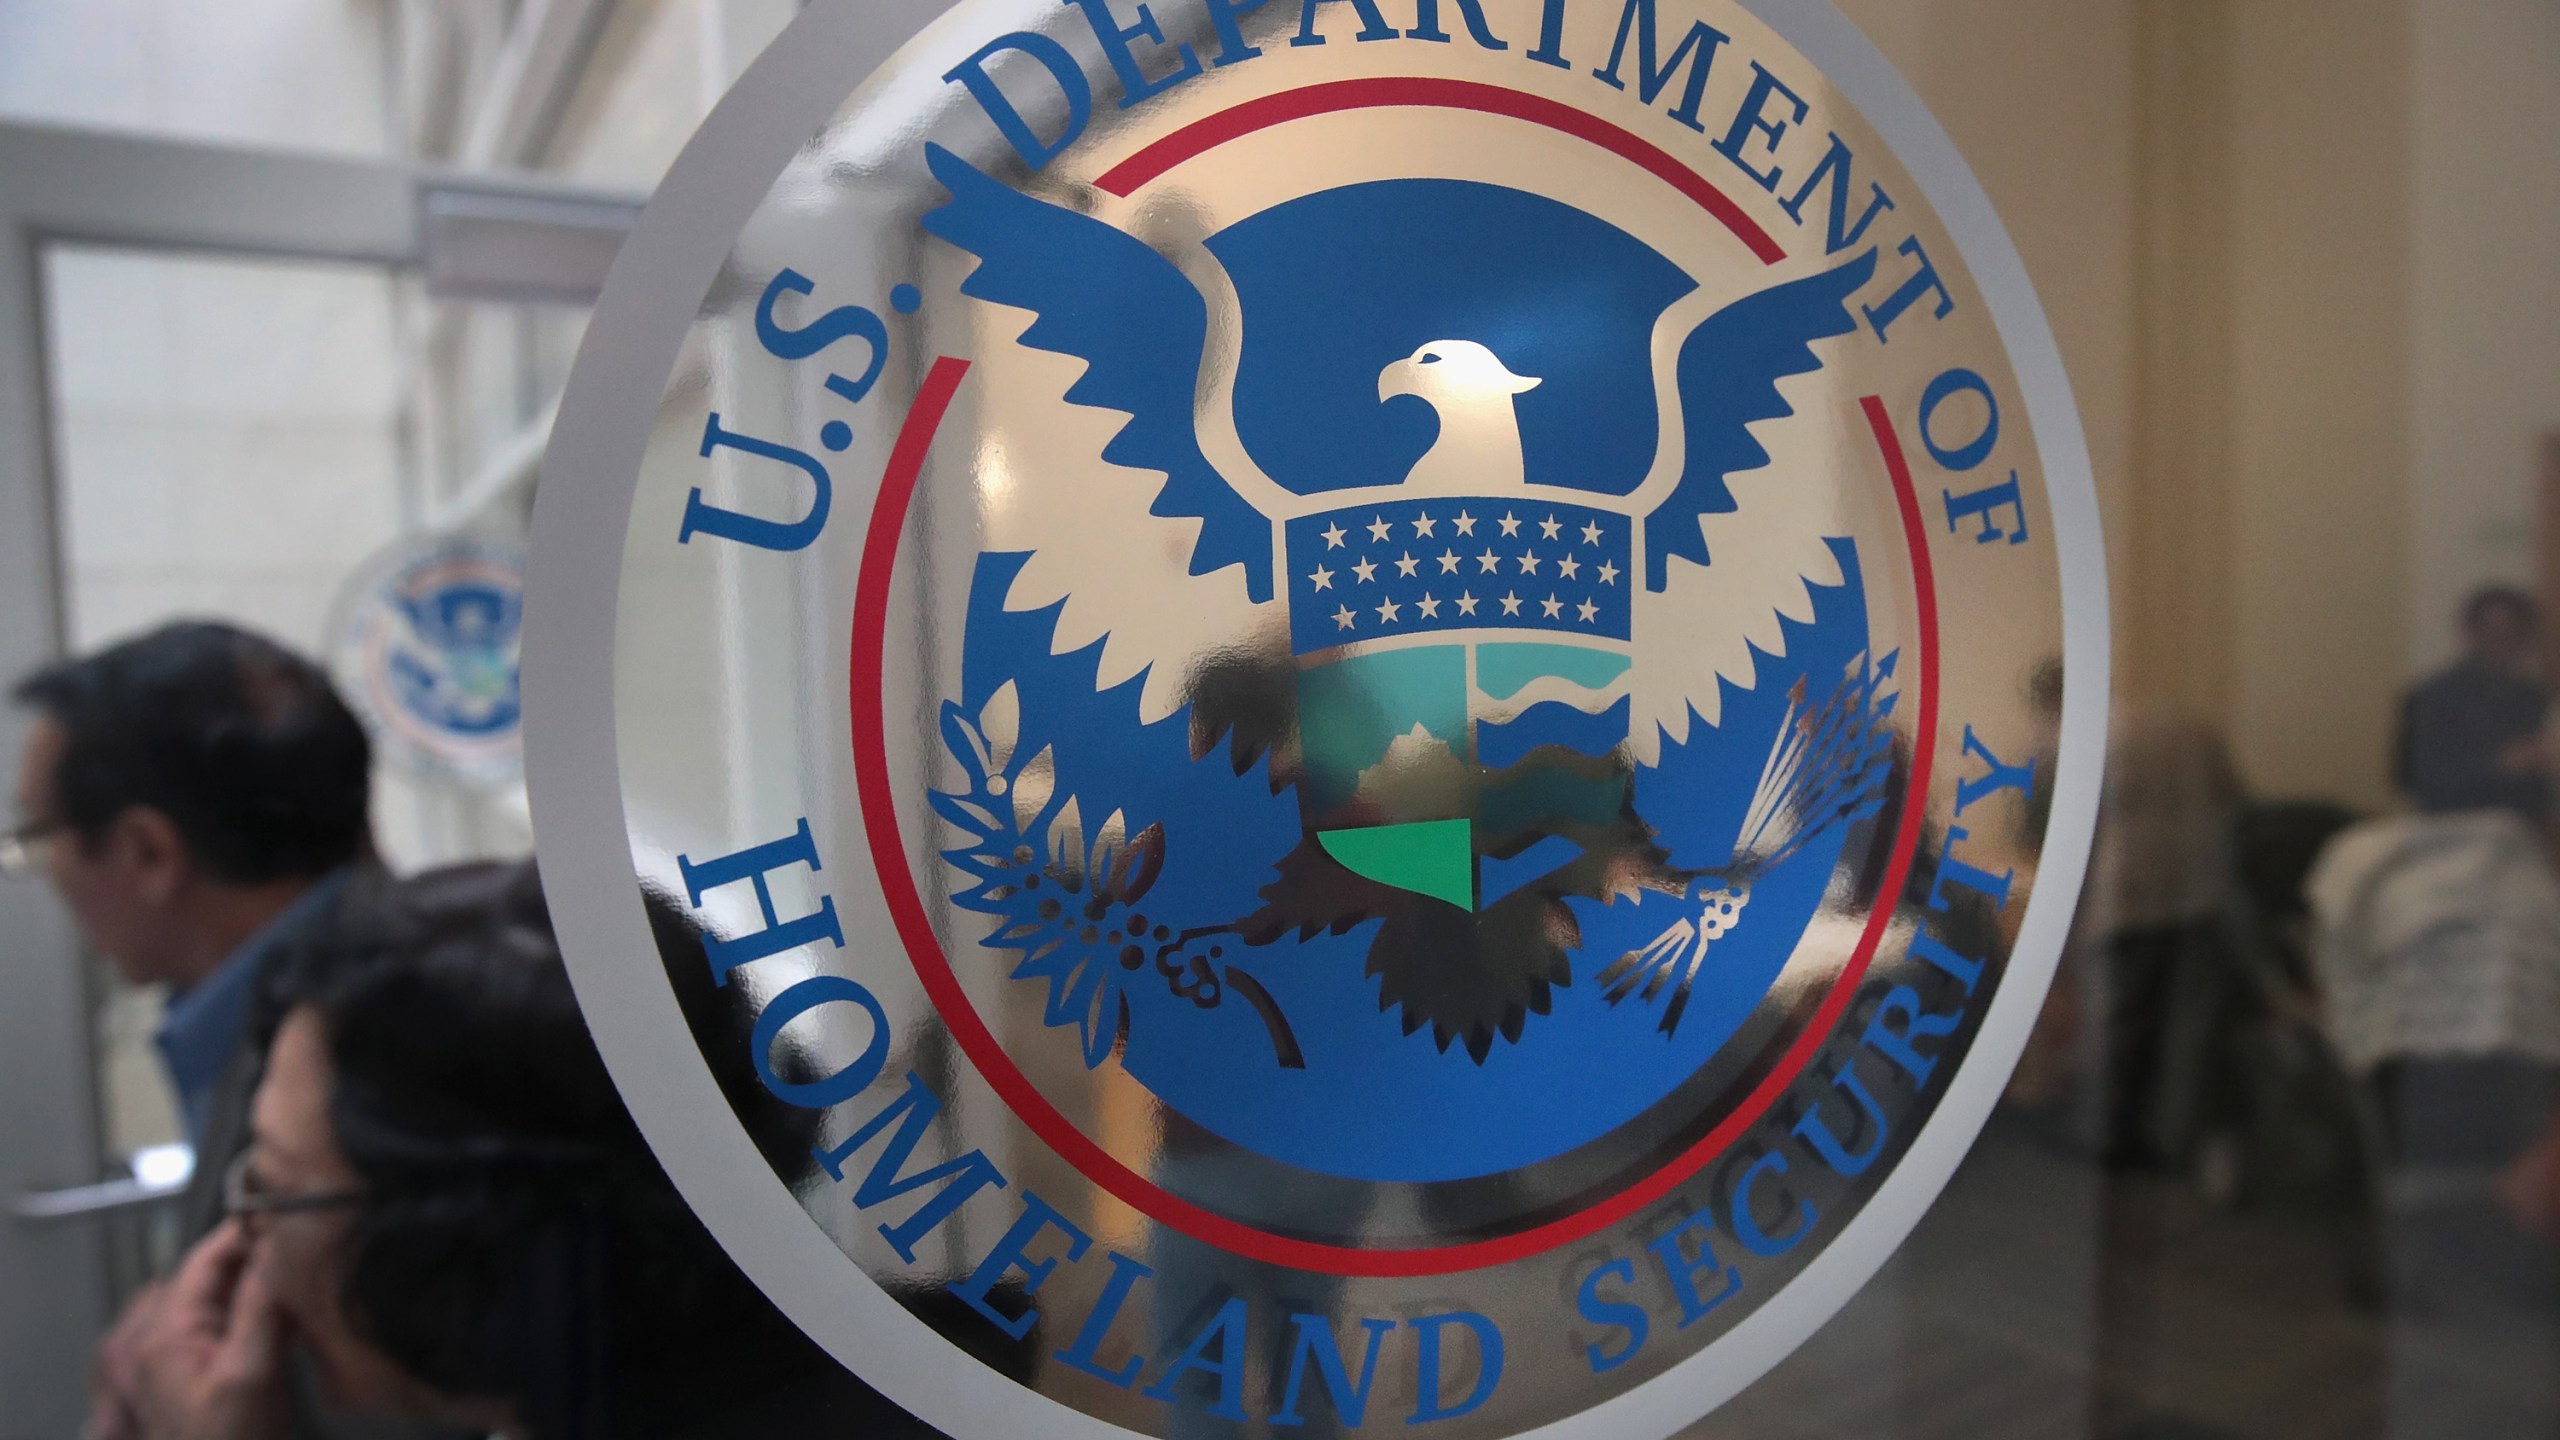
x: 2471, y: 737
x: 2436, y: 942
x: 2150, y: 930
x: 198, y: 796
x: 446, y: 1204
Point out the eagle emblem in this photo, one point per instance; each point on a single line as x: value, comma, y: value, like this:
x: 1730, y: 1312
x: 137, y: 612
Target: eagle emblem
x: 1447, y: 707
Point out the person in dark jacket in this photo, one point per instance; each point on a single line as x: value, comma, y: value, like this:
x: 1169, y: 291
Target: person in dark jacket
x: 197, y: 796
x: 2471, y: 736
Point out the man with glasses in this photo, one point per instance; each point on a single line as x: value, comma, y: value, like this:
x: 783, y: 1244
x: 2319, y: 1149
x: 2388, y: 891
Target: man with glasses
x: 197, y: 796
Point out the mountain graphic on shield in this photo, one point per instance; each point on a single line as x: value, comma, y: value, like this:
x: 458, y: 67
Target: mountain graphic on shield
x: 1453, y: 765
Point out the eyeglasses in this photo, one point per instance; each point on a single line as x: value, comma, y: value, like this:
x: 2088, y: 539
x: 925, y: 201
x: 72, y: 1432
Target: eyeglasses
x: 28, y: 849
x: 244, y: 1194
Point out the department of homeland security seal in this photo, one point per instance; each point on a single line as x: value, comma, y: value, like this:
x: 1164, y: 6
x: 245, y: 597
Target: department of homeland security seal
x: 424, y: 641
x: 1315, y: 715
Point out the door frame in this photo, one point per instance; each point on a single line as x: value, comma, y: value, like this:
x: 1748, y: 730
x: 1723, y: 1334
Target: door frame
x: 516, y: 235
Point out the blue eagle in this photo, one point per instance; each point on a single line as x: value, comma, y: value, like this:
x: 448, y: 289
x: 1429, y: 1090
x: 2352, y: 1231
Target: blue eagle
x: 1396, y: 501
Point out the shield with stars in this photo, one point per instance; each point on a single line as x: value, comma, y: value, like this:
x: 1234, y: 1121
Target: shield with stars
x: 1417, y: 652
x: 1429, y: 636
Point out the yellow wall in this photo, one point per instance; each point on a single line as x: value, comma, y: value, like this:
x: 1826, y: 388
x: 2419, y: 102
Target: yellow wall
x: 2040, y: 98
x: 2487, y: 345
x: 2219, y: 202
x: 2321, y: 453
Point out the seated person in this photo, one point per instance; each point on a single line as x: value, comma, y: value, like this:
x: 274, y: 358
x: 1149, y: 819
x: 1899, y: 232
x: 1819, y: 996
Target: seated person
x: 2471, y: 736
x: 445, y: 1202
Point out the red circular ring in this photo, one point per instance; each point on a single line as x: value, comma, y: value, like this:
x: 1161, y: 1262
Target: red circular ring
x: 906, y: 905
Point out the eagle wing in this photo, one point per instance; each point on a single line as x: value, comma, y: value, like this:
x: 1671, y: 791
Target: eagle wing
x: 1728, y: 377
x: 1141, y: 542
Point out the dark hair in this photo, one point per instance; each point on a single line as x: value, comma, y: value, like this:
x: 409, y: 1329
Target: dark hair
x: 243, y: 744
x: 2476, y: 607
x: 519, y: 1240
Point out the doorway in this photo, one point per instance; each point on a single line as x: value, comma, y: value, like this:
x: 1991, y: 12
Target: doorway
x: 229, y: 379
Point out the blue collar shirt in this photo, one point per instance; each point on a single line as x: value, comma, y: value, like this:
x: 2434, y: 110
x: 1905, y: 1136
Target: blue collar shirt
x: 204, y: 1024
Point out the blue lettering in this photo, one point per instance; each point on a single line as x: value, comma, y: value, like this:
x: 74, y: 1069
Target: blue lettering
x: 1746, y: 1222
x: 1013, y: 1253
x: 2021, y: 778
x: 1227, y: 1329
x: 914, y: 1111
x: 1814, y: 1131
x: 1981, y: 504
x: 1895, y: 1041
x: 1981, y: 882
x: 1086, y: 1353
x: 1009, y: 120
x: 845, y: 322
x: 1134, y: 84
x: 1943, y: 389
x: 1550, y: 49
x: 1427, y: 1331
x: 1923, y: 282
x: 701, y: 517
x: 1232, y: 49
x: 1373, y: 26
x: 1426, y: 24
x: 728, y: 953
x: 1315, y: 1342
x: 1754, y: 119
x: 1618, y: 1314
x: 799, y: 1000
x: 1836, y: 164
x: 1697, y: 49
x: 1683, y: 1269
x: 1934, y: 951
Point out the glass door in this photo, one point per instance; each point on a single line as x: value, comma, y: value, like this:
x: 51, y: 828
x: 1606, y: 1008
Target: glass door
x: 216, y: 410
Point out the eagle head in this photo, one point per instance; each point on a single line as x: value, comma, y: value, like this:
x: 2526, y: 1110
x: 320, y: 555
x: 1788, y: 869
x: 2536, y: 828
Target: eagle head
x: 1473, y: 391
x: 1453, y: 375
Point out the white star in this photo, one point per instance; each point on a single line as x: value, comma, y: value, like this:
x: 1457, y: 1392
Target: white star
x: 1466, y: 523
x: 1449, y: 562
x: 1490, y: 561
x: 1366, y: 571
x: 1422, y: 527
x: 1430, y: 608
x: 1407, y: 566
x: 1590, y: 612
x: 1322, y: 579
x: 1550, y: 528
x: 1467, y: 604
x: 1591, y: 533
x: 1529, y: 562
x: 1553, y: 606
x: 1569, y: 568
x: 1344, y: 618
x: 1511, y: 603
x: 1510, y: 524
x: 1380, y: 529
x: 1389, y: 611
x: 1609, y: 574
x: 1333, y: 537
